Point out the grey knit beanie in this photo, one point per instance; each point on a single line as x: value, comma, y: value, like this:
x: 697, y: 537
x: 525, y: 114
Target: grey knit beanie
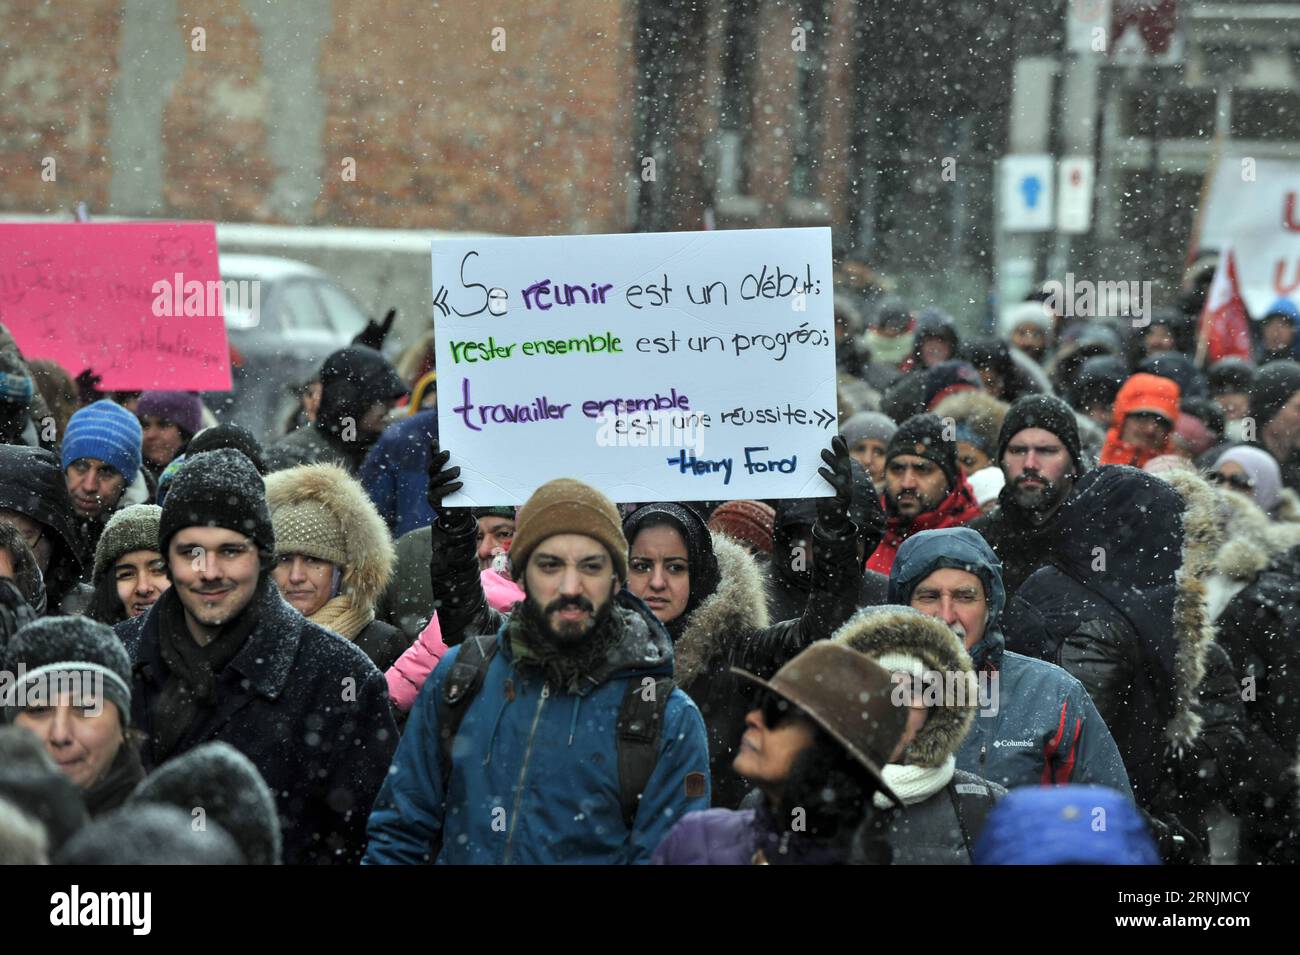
x: 132, y: 528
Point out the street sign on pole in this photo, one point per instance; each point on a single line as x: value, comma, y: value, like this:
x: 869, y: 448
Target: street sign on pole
x: 1074, y: 195
x: 1025, y: 193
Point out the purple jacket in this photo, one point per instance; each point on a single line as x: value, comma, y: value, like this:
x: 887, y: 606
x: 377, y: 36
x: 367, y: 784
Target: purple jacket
x: 732, y: 836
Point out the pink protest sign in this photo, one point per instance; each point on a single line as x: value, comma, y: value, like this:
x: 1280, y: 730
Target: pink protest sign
x: 139, y: 303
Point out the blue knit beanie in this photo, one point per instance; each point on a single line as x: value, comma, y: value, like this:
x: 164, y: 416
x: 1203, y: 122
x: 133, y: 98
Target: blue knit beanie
x: 107, y: 432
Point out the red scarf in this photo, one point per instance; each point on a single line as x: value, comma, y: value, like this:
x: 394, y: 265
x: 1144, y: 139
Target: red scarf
x: 958, y: 508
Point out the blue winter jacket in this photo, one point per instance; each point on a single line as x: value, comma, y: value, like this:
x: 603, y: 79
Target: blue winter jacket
x: 396, y: 473
x: 1040, y: 727
x: 535, y: 771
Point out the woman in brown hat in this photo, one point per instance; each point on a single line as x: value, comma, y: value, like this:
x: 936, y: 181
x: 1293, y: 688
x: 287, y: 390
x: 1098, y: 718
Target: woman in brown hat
x: 814, y: 745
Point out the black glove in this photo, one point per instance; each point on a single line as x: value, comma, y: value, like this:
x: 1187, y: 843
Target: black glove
x: 833, y: 512
x: 442, y: 482
x: 88, y: 391
x: 373, y: 335
x: 1176, y: 844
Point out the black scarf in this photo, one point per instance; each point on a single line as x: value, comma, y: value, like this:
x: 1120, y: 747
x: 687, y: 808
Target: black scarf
x: 565, y: 666
x: 191, y: 687
x: 122, y: 777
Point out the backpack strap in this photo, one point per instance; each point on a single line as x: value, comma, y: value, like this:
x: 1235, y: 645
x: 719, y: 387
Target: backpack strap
x: 972, y: 802
x: 463, y: 683
x: 640, y: 720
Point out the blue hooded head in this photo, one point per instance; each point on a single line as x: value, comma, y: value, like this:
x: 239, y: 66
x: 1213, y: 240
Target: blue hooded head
x: 957, y: 547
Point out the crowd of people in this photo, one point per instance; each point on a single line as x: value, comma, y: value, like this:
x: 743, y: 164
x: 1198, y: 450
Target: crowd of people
x: 1053, y: 579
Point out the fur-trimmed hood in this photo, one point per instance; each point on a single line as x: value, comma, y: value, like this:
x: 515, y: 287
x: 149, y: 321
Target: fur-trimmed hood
x: 737, y: 606
x: 1250, y: 539
x: 977, y: 410
x: 1193, y: 625
x: 876, y: 631
x: 370, y: 554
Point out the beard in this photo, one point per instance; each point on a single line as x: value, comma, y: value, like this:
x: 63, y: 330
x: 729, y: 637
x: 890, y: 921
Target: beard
x: 892, y: 501
x: 1038, y: 500
x: 567, y: 654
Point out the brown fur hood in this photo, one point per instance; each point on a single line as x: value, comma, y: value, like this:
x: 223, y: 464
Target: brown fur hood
x: 1202, y: 537
x: 979, y: 411
x: 876, y: 631
x: 737, y: 606
x: 370, y: 555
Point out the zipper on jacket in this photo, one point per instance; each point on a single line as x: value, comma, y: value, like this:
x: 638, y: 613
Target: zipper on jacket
x: 523, y: 771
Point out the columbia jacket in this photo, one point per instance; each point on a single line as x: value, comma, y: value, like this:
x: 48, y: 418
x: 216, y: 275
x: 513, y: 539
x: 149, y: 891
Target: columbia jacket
x: 534, y: 778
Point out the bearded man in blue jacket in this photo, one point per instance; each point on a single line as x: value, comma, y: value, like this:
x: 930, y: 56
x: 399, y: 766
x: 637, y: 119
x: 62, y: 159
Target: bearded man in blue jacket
x: 537, y: 769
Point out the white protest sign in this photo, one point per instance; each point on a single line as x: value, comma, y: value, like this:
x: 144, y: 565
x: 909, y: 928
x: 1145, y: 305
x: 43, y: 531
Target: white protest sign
x: 1254, y: 207
x: 657, y: 367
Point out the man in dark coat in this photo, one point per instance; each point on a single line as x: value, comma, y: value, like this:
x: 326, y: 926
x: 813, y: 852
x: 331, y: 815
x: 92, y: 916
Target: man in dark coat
x: 1038, y: 451
x: 1260, y: 629
x: 221, y: 656
x: 34, y: 498
x: 358, y: 388
x: 1124, y: 609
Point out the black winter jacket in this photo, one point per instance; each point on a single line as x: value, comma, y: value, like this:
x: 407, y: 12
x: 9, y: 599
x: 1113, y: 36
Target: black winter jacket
x: 307, y: 707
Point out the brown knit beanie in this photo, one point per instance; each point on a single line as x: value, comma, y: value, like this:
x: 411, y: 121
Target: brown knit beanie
x: 566, y: 506
x: 750, y: 522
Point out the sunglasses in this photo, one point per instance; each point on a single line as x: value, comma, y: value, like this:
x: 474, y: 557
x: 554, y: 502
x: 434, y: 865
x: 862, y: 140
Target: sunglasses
x: 1239, y: 481
x: 776, y: 709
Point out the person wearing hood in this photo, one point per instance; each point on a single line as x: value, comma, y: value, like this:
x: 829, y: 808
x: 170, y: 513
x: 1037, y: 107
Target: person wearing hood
x: 934, y: 340
x: 34, y: 499
x: 1124, y: 611
x: 130, y: 573
x: 1036, y: 723
x: 1142, y: 423
x: 1254, y: 472
x: 978, y: 417
x: 395, y: 472
x: 101, y: 462
x: 1004, y: 377
x: 795, y: 554
x: 944, y: 807
x: 222, y: 656
x: 333, y: 556
x: 1095, y: 386
x: 1275, y: 410
x: 1179, y: 369
x: 561, y: 738
x: 358, y: 389
x: 1039, y: 453
x: 1059, y: 826
x: 1254, y: 599
x: 867, y: 434
x: 18, y: 567
x: 814, y: 744
x: 924, y: 488
x: 74, y: 694
x: 1030, y: 327
x: 1277, y: 333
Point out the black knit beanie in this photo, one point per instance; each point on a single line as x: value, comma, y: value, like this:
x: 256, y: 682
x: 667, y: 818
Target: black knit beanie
x: 1048, y: 413
x: 1273, y: 387
x: 922, y: 435
x: 218, y: 489
x: 229, y: 436
x: 67, y: 645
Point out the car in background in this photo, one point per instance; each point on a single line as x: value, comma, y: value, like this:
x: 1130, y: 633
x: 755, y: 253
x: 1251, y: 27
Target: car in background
x: 280, y: 339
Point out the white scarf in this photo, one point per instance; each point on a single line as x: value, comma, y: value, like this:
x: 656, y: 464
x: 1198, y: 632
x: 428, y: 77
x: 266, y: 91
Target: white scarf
x: 914, y: 783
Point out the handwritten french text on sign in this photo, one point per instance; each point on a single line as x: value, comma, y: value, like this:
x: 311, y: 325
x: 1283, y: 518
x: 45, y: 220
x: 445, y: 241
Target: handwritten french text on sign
x: 670, y: 366
x: 138, y: 303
